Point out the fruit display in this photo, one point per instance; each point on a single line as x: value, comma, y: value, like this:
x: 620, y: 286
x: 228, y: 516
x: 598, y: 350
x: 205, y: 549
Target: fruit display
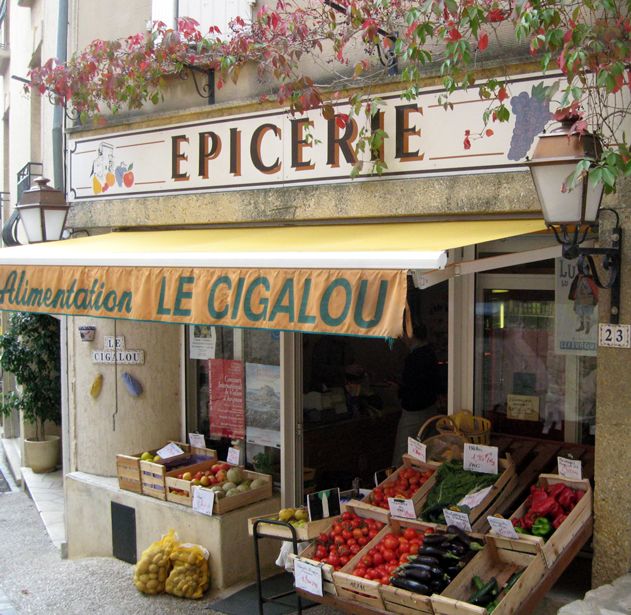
x: 546, y: 508
x: 419, y: 560
x: 189, y: 577
x: 225, y: 480
x: 147, y: 456
x: 405, y: 484
x: 152, y: 571
x: 298, y: 517
x: 346, y: 537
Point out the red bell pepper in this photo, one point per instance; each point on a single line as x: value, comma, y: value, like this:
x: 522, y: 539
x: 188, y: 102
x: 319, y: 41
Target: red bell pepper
x: 556, y: 489
x: 567, y: 499
x: 543, y: 507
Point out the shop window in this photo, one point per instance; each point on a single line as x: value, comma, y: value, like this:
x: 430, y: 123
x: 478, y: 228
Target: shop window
x: 244, y: 371
x: 524, y: 384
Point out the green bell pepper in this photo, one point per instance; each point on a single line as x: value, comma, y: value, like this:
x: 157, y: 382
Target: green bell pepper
x: 541, y: 527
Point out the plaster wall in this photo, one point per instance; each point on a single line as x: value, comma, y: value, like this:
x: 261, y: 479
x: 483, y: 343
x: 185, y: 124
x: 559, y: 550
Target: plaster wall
x: 115, y: 421
x: 88, y: 504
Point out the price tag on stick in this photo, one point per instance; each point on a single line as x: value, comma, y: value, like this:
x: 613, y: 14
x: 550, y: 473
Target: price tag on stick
x: 170, y: 450
x: 459, y: 519
x: 570, y: 468
x: 203, y: 500
x: 197, y: 440
x: 417, y: 450
x: 402, y: 508
x: 503, y: 527
x: 308, y: 577
x: 234, y: 456
x: 480, y: 458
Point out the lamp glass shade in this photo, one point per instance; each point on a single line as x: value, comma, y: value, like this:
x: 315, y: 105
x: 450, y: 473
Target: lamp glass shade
x: 565, y: 207
x: 54, y: 220
x: 32, y: 222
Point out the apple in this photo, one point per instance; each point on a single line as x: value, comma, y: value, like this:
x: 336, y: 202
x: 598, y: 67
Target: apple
x: 215, y: 467
x: 204, y: 481
x: 225, y: 466
x: 128, y: 177
x: 220, y: 476
x: 187, y: 476
x: 198, y: 475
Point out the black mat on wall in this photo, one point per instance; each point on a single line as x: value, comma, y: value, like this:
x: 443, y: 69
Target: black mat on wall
x: 245, y: 601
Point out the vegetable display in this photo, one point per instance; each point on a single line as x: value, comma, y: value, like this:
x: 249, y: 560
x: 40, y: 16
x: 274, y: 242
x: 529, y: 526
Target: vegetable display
x: 420, y: 561
x: 407, y: 482
x: 453, y: 483
x: 546, y: 509
x: 345, y: 539
x: 488, y: 593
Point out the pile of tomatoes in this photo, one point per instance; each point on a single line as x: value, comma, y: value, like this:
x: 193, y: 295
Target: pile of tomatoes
x: 345, y: 539
x: 407, y: 482
x: 391, y: 551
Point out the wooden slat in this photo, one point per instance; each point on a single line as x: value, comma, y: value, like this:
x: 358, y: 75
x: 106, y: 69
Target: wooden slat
x: 519, y: 451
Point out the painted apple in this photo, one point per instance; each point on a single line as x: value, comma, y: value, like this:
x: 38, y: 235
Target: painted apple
x: 128, y: 178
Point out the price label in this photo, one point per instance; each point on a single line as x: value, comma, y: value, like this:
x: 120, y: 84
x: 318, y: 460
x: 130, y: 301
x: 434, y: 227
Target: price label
x: 197, y: 440
x: 475, y: 499
x: 308, y: 577
x: 203, y: 500
x: 503, y: 527
x: 417, y: 449
x: 234, y: 456
x: 570, y: 468
x: 480, y: 458
x: 459, y: 519
x: 170, y: 450
x: 615, y: 336
x: 402, y: 508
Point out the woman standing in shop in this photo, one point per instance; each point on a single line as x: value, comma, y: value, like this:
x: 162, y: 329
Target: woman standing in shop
x: 418, y: 389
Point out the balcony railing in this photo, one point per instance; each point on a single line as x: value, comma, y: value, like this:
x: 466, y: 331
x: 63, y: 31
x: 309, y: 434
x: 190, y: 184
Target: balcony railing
x: 26, y: 175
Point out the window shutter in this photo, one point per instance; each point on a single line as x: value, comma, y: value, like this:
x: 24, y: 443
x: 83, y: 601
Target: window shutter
x: 215, y: 12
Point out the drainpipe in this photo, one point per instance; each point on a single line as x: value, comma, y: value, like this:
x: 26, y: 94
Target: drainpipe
x: 58, y: 111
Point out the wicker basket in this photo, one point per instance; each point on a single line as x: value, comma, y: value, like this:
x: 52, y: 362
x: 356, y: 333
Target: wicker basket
x: 474, y: 429
x: 448, y: 444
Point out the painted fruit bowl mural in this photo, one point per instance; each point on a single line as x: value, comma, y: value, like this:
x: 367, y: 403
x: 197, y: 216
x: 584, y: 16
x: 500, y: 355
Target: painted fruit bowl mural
x: 108, y: 173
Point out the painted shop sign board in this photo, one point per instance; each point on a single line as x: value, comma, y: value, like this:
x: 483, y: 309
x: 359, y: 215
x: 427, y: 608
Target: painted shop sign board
x: 114, y: 351
x: 274, y: 148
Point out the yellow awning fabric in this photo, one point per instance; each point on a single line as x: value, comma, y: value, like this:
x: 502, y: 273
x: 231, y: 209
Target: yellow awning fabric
x: 346, y: 278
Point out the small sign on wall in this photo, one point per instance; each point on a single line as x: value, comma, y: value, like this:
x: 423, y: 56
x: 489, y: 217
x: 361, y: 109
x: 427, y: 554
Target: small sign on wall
x: 614, y: 336
x: 114, y: 351
x: 522, y: 407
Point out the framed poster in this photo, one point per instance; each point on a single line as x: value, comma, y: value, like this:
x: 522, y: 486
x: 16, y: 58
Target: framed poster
x: 262, y: 401
x: 225, y: 398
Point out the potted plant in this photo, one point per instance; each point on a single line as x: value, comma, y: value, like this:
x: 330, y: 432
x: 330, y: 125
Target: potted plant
x: 30, y: 351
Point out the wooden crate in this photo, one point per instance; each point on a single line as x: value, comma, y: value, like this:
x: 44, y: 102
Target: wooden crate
x: 153, y: 475
x: 497, y: 493
x: 576, y: 521
x: 492, y: 561
x: 306, y: 532
x: 222, y: 505
x: 418, y: 498
x: 372, y: 593
x: 328, y: 586
x: 128, y: 467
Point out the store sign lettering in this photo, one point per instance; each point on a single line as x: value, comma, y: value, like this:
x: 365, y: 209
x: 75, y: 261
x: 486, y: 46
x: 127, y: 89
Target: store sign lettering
x: 274, y: 148
x: 350, y: 301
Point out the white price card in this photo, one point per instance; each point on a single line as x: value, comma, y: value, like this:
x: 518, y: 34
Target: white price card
x: 203, y: 500
x: 402, y: 508
x: 417, y: 449
x: 170, y: 450
x: 480, y: 458
x: 308, y: 577
x: 570, y: 468
x: 475, y: 499
x: 616, y: 336
x: 503, y: 527
x: 459, y: 519
x: 234, y: 456
x: 197, y: 440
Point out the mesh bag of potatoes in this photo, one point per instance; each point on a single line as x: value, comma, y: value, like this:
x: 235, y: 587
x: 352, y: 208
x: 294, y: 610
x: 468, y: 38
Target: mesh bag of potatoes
x: 189, y: 577
x: 152, y: 571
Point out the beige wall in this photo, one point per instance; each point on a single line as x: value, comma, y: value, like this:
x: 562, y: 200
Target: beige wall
x: 88, y: 504
x: 115, y: 422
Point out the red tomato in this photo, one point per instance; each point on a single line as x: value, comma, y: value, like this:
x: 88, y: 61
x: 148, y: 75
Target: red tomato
x: 357, y: 533
x: 334, y: 560
x: 347, y: 534
x: 389, y: 555
x: 403, y: 558
x: 337, y: 529
x: 404, y: 548
x: 323, y: 538
x: 362, y: 541
x: 372, y: 533
x: 377, y: 559
x: 414, y: 547
x: 360, y: 571
x: 321, y: 551
x: 344, y: 559
x: 391, y: 542
x: 347, y: 516
x: 355, y: 549
x: 355, y: 523
x: 351, y: 541
x: 370, y: 574
x: 367, y: 561
x: 339, y: 540
x: 409, y: 533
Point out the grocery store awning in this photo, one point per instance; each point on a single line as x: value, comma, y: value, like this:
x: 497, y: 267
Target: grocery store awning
x: 345, y: 278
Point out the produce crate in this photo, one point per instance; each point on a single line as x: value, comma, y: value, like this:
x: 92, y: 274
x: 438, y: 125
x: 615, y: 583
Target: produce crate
x: 580, y: 516
x: 499, y: 491
x: 328, y: 587
x: 128, y: 467
x: 373, y: 593
x: 222, y: 505
x: 496, y: 562
x: 418, y: 498
x: 306, y: 532
x: 153, y: 475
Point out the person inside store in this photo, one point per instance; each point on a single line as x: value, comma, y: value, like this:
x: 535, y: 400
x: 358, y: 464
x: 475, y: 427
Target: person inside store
x: 418, y: 389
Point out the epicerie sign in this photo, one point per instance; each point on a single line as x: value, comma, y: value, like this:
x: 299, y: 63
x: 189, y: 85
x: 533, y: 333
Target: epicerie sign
x: 114, y: 351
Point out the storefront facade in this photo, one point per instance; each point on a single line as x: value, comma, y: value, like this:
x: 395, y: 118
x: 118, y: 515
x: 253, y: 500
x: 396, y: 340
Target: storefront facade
x: 249, y: 167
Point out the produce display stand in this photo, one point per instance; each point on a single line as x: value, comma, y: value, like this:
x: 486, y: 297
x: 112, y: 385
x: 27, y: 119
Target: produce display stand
x: 308, y: 531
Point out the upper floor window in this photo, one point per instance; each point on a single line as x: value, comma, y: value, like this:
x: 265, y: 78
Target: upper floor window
x: 207, y: 12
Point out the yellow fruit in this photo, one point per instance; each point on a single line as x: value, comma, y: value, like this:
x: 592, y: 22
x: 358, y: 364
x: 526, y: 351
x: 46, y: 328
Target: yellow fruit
x: 97, y: 385
x: 157, y: 458
x: 96, y: 185
x: 286, y: 514
x: 187, y: 476
x: 301, y: 514
x: 110, y: 179
x: 146, y: 456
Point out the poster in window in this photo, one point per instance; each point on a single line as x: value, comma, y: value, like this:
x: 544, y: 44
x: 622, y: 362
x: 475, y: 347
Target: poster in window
x: 225, y: 401
x: 576, y: 310
x: 202, y: 342
x: 262, y: 402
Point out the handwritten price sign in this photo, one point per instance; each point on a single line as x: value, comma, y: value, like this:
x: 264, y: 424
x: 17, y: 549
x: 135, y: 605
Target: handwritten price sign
x: 459, y: 519
x: 402, y: 508
x: 417, y: 450
x: 480, y: 458
x: 308, y: 577
x: 570, y: 468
